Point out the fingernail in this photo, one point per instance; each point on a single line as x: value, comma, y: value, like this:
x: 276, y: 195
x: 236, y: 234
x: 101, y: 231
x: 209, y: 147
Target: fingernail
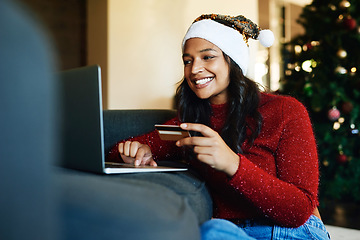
x: 178, y: 143
x: 183, y: 125
x: 137, y: 163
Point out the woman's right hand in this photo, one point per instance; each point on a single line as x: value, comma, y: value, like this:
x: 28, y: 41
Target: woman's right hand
x: 136, y: 153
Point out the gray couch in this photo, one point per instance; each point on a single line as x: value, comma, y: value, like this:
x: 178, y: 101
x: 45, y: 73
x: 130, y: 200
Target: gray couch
x: 122, y: 124
x: 166, y: 205
x: 132, y: 206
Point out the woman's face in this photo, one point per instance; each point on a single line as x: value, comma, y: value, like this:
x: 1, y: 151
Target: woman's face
x: 206, y: 70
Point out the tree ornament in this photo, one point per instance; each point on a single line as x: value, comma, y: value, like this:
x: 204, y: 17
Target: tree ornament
x: 344, y: 4
x: 341, y: 158
x: 333, y: 114
x: 341, y: 53
x: 347, y: 107
x: 307, y: 46
x: 349, y: 23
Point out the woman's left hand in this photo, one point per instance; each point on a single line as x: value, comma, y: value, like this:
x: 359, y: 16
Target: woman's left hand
x: 210, y: 148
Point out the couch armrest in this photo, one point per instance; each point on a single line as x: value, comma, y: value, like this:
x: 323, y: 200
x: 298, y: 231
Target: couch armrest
x: 122, y: 124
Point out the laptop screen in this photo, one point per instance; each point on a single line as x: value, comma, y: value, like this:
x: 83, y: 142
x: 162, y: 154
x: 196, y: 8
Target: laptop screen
x: 82, y: 119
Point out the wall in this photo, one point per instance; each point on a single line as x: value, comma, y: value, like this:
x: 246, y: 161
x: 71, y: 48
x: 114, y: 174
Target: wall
x: 65, y: 23
x: 143, y: 56
x: 97, y: 40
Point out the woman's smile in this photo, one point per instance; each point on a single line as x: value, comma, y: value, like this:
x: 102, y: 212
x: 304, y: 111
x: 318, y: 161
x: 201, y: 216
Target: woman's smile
x: 204, y: 82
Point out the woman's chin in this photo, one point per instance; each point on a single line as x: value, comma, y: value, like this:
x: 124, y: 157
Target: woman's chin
x: 202, y: 96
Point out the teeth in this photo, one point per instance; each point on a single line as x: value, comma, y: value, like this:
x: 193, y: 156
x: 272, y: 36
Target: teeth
x: 203, y: 81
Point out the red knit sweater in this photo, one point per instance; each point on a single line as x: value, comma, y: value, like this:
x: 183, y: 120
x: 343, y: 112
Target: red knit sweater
x: 278, y: 175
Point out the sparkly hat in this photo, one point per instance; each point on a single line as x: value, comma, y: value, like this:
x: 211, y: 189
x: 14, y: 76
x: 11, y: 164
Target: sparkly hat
x: 230, y: 34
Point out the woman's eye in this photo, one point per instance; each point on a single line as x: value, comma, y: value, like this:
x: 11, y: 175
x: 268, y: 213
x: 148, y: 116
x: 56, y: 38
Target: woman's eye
x: 208, y: 57
x: 186, y: 62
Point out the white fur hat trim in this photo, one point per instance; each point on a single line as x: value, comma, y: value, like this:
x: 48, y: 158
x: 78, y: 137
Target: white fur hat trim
x: 229, y: 40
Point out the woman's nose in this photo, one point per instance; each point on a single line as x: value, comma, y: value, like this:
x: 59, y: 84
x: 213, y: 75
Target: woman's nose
x: 197, y: 67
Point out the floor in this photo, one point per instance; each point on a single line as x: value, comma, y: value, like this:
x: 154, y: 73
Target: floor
x: 341, y: 233
x: 344, y: 214
x: 342, y: 220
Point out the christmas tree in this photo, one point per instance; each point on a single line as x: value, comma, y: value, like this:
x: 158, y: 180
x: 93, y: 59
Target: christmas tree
x: 322, y: 70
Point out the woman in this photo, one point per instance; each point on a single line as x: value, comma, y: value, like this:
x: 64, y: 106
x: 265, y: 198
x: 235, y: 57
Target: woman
x: 255, y: 150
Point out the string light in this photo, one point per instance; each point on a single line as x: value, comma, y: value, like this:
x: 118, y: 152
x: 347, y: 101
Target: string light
x: 308, y: 65
x: 336, y: 125
x: 297, y: 49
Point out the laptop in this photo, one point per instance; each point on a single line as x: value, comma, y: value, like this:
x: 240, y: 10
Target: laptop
x: 82, y: 125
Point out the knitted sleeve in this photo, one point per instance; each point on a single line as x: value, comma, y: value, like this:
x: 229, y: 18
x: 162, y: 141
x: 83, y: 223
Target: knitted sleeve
x: 290, y: 195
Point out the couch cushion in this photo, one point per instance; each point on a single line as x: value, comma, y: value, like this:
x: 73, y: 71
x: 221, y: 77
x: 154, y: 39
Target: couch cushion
x: 185, y: 184
x: 117, y: 207
x: 122, y: 124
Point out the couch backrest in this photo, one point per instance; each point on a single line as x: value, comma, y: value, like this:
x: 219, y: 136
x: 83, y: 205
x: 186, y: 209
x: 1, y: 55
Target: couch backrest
x: 122, y: 124
x: 29, y: 132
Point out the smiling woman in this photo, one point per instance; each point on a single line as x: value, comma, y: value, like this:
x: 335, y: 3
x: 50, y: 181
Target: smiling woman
x: 255, y: 150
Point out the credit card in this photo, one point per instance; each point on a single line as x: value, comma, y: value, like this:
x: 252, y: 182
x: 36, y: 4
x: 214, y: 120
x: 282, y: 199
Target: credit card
x: 171, y: 132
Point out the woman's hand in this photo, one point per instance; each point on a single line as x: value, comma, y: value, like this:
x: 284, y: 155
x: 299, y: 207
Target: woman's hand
x: 136, y: 153
x: 211, y: 148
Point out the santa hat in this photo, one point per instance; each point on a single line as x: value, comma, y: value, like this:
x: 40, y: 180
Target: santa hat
x: 230, y: 34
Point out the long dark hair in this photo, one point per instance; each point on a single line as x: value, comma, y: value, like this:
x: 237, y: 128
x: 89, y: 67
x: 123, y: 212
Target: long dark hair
x: 244, y: 98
